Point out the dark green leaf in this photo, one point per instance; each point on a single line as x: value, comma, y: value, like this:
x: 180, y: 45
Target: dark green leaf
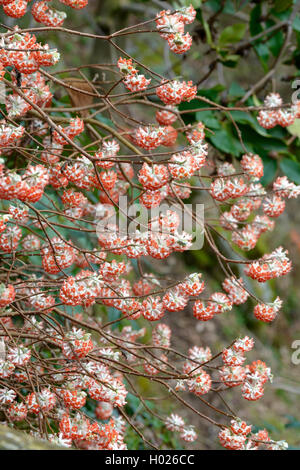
x: 202, y: 20
x: 208, y: 118
x: 232, y: 34
x: 246, y: 118
x: 258, y: 143
x: 235, y: 90
x: 231, y: 60
x: 282, y: 5
x: 296, y: 23
x: 255, y: 26
x: 282, y: 15
x: 275, y: 43
x: 224, y: 140
x: 263, y: 54
x: 291, y: 169
x: 270, y: 168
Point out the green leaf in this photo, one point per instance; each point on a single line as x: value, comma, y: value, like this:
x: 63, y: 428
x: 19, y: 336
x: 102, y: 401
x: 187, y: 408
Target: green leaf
x: 296, y: 24
x: 235, y: 90
x: 294, y: 129
x: 205, y: 25
x: 256, y: 101
x: 277, y: 132
x: 291, y: 169
x: 263, y: 54
x: 224, y: 141
x: 258, y: 143
x: 254, y: 25
x: 246, y: 118
x: 270, y: 168
x: 230, y: 60
x: 208, y: 118
x: 216, y: 5
x: 229, y: 7
x: 282, y: 5
x: 282, y: 15
x: 275, y: 43
x: 232, y: 34
x: 211, y: 93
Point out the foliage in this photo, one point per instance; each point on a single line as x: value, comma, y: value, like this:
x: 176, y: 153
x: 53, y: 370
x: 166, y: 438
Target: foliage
x: 87, y: 310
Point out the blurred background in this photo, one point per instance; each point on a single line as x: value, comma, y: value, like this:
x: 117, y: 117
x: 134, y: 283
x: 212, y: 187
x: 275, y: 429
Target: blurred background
x: 223, y: 75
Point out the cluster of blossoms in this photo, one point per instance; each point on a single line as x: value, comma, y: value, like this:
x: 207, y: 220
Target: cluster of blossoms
x: 275, y: 115
x: 28, y: 187
x: 217, y: 303
x: 271, y: 265
x: 133, y: 80
x: 251, y: 378
x: 63, y: 400
x: 175, y: 423
x: 40, y: 10
x: 246, y: 196
x: 171, y: 28
x: 9, y: 136
x: 61, y: 362
x: 239, y: 436
x: 174, y: 92
x: 26, y: 56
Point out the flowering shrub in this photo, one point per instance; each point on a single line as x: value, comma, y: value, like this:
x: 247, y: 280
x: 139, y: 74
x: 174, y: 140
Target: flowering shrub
x: 65, y: 370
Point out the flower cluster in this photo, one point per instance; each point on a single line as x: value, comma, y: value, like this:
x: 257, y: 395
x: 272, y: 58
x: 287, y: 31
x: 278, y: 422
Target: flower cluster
x: 132, y: 79
x: 82, y: 294
x: 275, y: 115
x: 270, y: 266
x: 171, y: 28
x: 25, y: 54
x: 176, y: 423
x: 174, y: 92
x: 41, y: 11
x: 239, y: 436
